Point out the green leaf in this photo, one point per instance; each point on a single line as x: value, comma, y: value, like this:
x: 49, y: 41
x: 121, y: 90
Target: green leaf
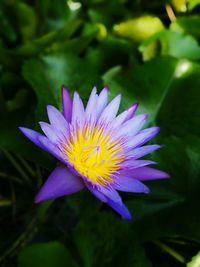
x: 47, y: 40
x: 75, y: 45
x: 51, y: 254
x: 192, y: 4
x: 181, y: 46
x: 47, y: 75
x: 187, y: 24
x: 147, y: 84
x: 13, y: 140
x: 27, y: 20
x: 7, y: 26
x: 112, y: 51
x: 182, y: 118
x: 195, y: 262
x: 102, y: 240
x: 175, y: 44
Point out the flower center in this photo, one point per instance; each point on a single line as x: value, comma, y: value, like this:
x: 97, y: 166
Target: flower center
x: 94, y: 154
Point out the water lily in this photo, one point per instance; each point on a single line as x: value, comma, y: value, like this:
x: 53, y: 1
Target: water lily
x: 97, y: 149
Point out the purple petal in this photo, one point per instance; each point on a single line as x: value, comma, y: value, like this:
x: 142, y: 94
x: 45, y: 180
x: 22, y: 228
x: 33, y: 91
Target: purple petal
x: 142, y: 151
x: 91, y: 105
x: 120, y: 208
x: 132, y: 126
x: 103, y: 192
x: 128, y: 184
x: 145, y: 173
x: 43, y: 142
x: 61, y: 182
x: 95, y: 192
x: 143, y: 137
x: 67, y: 104
x: 133, y: 164
x: 110, y: 193
x: 50, y: 132
x: 124, y: 116
x: 48, y: 146
x: 102, y: 101
x: 110, y: 112
x: 32, y: 135
x: 78, y: 113
x: 57, y: 120
x: 133, y: 109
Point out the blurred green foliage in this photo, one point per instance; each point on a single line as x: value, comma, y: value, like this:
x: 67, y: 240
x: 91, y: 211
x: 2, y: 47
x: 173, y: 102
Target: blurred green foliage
x: 149, y: 52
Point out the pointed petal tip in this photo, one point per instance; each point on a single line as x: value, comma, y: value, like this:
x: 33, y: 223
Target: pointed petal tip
x: 163, y: 175
x: 40, y: 197
x: 76, y: 93
x: 167, y: 176
x: 50, y: 108
x: 66, y: 103
x: 21, y: 128
x: 105, y: 88
x: 104, y: 91
x: 37, y: 199
x: 64, y: 91
x: 63, y: 87
x: 94, y: 88
x: 119, y: 96
x: 158, y: 146
x: 41, y: 123
x: 128, y: 217
x: 146, y: 190
x: 134, y: 106
x: 24, y: 130
x: 157, y: 129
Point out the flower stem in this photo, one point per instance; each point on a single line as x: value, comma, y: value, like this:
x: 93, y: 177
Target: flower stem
x: 26, y: 165
x: 16, y: 165
x: 11, y: 177
x: 170, y: 251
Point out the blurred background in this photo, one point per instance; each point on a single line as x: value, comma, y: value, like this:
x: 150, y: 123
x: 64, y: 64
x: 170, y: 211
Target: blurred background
x: 149, y: 52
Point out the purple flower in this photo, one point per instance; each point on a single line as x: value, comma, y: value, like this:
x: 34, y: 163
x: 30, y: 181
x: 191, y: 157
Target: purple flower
x: 97, y: 148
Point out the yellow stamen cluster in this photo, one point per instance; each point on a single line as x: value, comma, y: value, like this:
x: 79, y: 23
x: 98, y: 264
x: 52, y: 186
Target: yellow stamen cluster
x: 94, y: 154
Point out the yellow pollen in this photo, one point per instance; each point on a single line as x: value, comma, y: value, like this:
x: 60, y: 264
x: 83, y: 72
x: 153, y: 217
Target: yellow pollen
x: 94, y: 154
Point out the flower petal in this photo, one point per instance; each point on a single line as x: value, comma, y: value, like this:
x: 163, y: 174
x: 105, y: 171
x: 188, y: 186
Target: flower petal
x: 142, y: 151
x: 133, y: 164
x: 143, y: 137
x: 32, y: 135
x: 67, y: 104
x: 120, y: 208
x: 132, y: 126
x: 48, y: 146
x: 110, y: 112
x: 103, y: 192
x: 43, y: 142
x: 128, y: 184
x: 50, y: 132
x: 124, y: 116
x: 102, y: 101
x: 57, y: 120
x: 133, y: 109
x: 78, y: 113
x: 145, y: 173
x: 60, y: 182
x: 95, y: 192
x: 90, y: 110
x: 110, y: 193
